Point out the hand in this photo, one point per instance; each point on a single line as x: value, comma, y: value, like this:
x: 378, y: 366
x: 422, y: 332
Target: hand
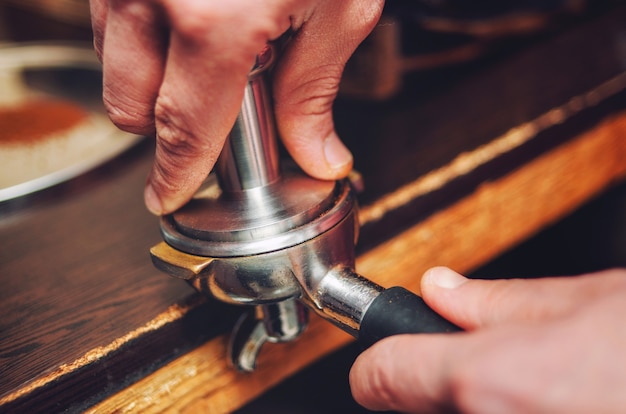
x: 552, y: 345
x: 178, y: 68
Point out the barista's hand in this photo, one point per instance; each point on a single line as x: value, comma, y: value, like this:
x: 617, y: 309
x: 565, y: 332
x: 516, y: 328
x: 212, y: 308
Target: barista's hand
x: 553, y: 345
x: 178, y: 68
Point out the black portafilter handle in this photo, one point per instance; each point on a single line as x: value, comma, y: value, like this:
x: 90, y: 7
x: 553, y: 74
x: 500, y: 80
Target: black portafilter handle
x: 398, y: 311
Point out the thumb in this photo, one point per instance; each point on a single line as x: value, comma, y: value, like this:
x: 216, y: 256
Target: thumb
x: 307, y: 80
x: 472, y: 303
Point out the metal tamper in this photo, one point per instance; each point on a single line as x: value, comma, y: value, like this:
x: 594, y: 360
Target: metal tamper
x: 274, y: 238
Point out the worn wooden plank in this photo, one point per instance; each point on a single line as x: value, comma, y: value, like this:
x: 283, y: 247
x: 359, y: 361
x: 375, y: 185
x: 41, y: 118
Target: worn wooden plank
x: 79, y: 292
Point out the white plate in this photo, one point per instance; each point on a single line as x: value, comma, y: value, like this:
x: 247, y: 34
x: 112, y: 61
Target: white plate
x: 58, y: 72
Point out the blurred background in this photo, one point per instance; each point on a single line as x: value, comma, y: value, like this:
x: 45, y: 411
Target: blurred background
x: 420, y: 48
x: 32, y: 20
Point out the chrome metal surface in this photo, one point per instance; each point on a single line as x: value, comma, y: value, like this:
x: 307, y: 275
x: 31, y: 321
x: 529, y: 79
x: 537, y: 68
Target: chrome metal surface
x: 249, y: 158
x: 277, y: 322
x: 344, y: 296
x: 284, y: 321
x: 246, y: 341
x: 293, y: 272
x: 261, y: 220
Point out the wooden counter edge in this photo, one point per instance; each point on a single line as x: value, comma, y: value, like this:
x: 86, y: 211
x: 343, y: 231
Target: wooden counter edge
x: 463, y: 236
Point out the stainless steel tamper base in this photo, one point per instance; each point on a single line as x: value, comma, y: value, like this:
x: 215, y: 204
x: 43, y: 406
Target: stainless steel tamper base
x: 287, y: 212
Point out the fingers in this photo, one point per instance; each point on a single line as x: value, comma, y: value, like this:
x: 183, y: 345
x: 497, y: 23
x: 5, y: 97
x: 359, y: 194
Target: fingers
x: 133, y: 59
x: 552, y: 365
x: 408, y: 373
x: 307, y: 81
x: 478, y: 303
x: 491, y: 371
x: 189, y: 86
x: 212, y: 48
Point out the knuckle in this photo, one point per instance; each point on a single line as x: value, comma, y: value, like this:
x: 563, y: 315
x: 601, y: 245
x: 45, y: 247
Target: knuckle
x: 199, y: 21
x: 176, y: 135
x: 312, y: 96
x: 178, y: 148
x: 195, y: 22
x: 380, y: 382
x: 192, y: 18
x: 132, y: 117
x: 136, y: 11
x: 382, y: 386
x: 173, y: 134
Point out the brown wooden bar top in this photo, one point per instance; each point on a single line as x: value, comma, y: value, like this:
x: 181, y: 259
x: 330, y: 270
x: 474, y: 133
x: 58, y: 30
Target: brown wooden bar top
x: 452, y: 178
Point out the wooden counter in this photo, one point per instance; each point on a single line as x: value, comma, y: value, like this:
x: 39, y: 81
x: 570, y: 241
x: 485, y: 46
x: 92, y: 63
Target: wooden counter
x: 452, y: 178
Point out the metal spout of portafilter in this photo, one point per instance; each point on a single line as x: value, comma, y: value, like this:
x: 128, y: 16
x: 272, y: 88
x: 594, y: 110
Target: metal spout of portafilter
x: 258, y: 234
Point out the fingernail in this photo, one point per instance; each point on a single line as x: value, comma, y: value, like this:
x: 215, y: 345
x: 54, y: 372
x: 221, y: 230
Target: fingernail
x: 153, y: 203
x: 337, y: 155
x: 444, y: 278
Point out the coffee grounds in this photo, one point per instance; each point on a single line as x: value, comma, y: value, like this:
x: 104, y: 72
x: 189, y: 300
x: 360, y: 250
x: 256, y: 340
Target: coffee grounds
x: 37, y: 120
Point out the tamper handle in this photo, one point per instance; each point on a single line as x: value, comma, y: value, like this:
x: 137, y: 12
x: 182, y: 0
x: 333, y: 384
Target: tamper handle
x: 250, y: 158
x: 399, y: 311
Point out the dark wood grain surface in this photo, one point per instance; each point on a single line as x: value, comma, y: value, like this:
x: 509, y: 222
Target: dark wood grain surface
x: 78, y: 293
x: 77, y: 280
